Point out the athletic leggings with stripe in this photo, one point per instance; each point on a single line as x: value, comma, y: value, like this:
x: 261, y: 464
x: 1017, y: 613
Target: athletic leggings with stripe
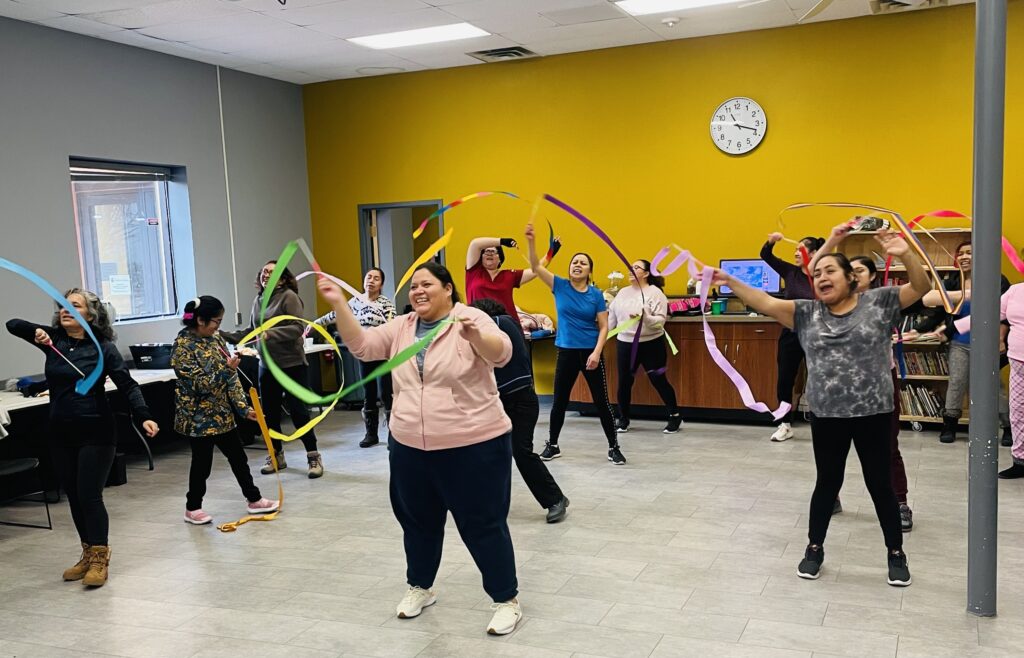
x: 568, y: 366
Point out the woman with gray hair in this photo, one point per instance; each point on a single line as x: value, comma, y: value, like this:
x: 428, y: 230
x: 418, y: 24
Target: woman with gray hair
x: 82, y: 431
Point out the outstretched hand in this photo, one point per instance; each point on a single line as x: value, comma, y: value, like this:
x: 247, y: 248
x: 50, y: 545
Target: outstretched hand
x: 43, y: 338
x: 530, y: 235
x: 330, y: 291
x: 893, y: 243
x: 150, y: 428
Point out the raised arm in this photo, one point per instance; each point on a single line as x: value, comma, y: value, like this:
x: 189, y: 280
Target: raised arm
x: 918, y: 284
x: 372, y: 344
x: 477, y: 245
x: 835, y: 238
x: 933, y: 298
x: 536, y: 266
x: 30, y: 332
x: 782, y: 310
x: 774, y: 262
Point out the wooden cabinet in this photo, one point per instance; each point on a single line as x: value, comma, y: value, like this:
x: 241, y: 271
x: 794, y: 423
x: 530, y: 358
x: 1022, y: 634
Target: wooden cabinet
x: 701, y: 386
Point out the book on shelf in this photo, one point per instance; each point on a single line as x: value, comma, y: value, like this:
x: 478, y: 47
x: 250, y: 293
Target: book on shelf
x: 920, y: 401
x: 931, y: 364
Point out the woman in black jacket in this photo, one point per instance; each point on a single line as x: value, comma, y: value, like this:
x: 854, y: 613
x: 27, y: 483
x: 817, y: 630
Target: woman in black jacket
x: 82, y: 432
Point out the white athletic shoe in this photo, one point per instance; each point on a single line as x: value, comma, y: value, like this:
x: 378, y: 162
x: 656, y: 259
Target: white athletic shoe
x: 783, y: 433
x: 506, y: 616
x: 414, y: 601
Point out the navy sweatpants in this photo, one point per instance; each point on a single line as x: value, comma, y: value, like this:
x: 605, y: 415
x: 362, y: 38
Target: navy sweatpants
x: 474, y: 484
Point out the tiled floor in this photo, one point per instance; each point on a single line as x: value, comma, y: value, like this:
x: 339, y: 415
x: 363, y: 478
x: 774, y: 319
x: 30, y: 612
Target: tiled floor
x: 689, y: 550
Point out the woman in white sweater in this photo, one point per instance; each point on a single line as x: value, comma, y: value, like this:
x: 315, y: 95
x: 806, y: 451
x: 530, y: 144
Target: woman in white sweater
x: 643, y: 298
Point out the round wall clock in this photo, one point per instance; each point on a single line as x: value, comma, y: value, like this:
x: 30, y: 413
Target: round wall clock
x: 738, y: 126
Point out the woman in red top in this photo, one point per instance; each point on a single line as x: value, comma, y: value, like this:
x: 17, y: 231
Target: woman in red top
x: 486, y: 280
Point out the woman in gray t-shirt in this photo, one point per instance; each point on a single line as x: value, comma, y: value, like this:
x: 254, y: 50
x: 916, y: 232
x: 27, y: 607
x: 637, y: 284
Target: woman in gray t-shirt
x: 847, y: 338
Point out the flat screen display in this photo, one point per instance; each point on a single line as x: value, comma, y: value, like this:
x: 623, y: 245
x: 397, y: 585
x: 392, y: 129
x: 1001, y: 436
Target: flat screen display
x: 752, y: 271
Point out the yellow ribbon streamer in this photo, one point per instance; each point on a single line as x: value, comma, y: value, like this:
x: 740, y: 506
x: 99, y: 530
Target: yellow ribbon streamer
x: 440, y: 244
x: 264, y: 430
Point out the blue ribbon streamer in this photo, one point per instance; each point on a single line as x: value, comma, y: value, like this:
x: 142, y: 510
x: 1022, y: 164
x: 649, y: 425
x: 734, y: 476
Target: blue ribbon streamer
x: 83, y: 385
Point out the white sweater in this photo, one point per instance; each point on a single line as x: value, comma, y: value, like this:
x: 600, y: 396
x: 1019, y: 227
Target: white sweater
x: 629, y: 302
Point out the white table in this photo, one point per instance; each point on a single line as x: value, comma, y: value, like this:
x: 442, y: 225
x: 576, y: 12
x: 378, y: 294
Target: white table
x: 12, y: 401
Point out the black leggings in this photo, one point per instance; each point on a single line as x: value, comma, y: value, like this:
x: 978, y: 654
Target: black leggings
x: 270, y: 397
x: 202, y: 463
x: 831, y: 438
x: 523, y: 409
x: 569, y: 364
x: 83, y: 472
x: 651, y: 355
x: 789, y: 357
x: 370, y: 387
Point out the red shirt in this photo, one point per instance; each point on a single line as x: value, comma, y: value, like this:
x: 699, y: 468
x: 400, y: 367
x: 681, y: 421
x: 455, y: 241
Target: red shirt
x: 480, y: 285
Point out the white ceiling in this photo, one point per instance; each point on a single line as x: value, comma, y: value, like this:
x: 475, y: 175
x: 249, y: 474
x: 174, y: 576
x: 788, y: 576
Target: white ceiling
x: 304, y: 41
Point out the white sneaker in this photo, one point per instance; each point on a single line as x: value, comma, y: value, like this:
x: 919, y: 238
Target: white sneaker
x: 506, y: 616
x: 414, y: 601
x: 783, y: 433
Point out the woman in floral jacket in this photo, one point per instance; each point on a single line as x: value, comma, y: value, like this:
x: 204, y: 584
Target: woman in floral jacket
x: 207, y: 398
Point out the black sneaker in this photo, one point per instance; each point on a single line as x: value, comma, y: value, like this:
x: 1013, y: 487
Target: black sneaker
x: 837, y: 508
x: 1007, y: 439
x: 674, y: 422
x: 810, y: 566
x: 906, y: 517
x: 621, y: 425
x: 615, y: 456
x: 899, y: 573
x: 557, y: 511
x: 551, y: 451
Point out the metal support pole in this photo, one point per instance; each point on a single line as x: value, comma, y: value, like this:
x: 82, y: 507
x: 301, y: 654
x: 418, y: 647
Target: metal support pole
x: 983, y: 494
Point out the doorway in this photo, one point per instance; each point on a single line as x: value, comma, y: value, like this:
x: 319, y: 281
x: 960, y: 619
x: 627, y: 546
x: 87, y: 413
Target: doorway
x: 385, y: 238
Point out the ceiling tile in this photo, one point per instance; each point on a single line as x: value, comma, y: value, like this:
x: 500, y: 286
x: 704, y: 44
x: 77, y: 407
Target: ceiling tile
x: 88, y: 6
x: 269, y: 41
x: 588, y: 14
x: 323, y: 48
x: 274, y: 5
x: 618, y: 26
x: 168, y: 11
x: 345, y: 10
x: 591, y: 43
x: 79, y: 25
x: 26, y: 12
x: 249, y: 23
x: 361, y: 27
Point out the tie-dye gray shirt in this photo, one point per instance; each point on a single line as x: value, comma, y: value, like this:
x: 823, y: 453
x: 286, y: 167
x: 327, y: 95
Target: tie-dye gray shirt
x: 849, y: 356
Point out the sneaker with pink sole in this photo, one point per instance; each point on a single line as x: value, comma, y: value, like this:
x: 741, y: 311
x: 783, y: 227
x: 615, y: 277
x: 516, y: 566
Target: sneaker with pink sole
x: 263, y: 506
x: 197, y: 517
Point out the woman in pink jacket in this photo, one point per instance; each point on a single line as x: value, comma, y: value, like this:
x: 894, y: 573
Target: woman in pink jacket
x: 450, y: 448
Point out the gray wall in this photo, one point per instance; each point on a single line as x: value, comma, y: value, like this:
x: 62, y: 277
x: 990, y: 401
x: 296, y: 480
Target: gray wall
x: 63, y: 94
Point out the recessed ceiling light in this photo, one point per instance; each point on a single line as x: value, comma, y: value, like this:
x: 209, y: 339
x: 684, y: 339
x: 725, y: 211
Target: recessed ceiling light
x: 424, y: 35
x: 644, y: 7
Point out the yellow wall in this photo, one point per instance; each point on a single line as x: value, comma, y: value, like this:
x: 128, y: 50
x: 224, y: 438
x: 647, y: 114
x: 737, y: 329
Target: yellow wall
x: 877, y: 110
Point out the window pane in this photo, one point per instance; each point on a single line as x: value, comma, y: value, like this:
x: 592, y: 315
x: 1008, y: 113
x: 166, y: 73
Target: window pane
x: 124, y: 241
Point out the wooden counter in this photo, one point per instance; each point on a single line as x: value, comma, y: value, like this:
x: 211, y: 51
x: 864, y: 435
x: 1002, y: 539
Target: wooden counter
x: 702, y: 388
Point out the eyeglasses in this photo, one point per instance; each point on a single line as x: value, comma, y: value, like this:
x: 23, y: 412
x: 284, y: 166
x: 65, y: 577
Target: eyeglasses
x: 490, y: 252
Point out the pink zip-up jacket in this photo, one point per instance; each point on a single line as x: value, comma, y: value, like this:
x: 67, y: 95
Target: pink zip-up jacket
x: 456, y: 403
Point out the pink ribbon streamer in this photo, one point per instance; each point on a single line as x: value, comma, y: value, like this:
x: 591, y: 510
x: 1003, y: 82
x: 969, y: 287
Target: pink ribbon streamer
x: 1011, y: 254
x: 742, y: 387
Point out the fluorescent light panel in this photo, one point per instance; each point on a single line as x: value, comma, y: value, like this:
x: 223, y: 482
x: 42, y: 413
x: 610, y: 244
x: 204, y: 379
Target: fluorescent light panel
x: 421, y: 36
x: 645, y: 7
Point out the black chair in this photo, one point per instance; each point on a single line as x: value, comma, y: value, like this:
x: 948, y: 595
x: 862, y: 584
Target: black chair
x: 10, y: 469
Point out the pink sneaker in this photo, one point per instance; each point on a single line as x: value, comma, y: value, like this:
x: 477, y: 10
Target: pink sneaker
x: 263, y: 506
x: 197, y: 517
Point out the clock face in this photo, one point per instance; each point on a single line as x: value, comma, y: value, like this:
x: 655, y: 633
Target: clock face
x: 738, y: 126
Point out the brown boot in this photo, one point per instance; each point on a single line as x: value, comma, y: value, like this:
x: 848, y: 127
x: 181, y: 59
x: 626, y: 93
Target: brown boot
x: 77, y: 572
x: 99, y: 559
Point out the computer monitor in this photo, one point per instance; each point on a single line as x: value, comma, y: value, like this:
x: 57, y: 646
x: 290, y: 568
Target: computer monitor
x: 752, y: 271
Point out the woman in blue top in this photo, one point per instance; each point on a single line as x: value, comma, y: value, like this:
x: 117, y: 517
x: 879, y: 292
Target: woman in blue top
x: 582, y: 332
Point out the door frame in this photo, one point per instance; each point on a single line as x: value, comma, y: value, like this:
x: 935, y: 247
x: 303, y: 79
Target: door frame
x: 364, y: 223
